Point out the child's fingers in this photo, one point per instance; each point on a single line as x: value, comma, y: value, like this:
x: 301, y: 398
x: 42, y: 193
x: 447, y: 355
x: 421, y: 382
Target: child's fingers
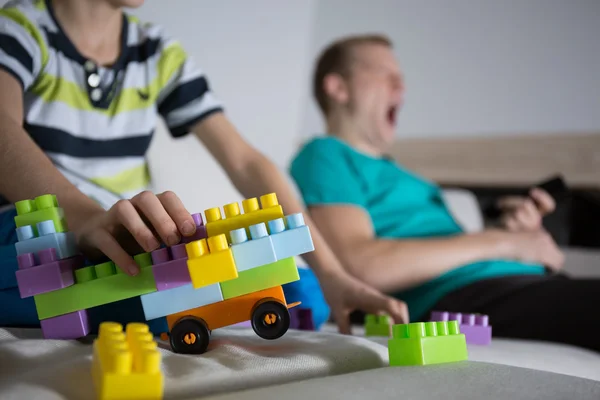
x: 180, y: 215
x: 153, y: 210
x: 124, y: 213
x: 107, y: 244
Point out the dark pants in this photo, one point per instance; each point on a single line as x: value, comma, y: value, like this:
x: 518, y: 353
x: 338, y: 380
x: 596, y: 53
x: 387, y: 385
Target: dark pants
x: 551, y: 308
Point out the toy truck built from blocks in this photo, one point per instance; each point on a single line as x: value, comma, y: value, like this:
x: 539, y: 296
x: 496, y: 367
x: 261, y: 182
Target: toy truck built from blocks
x: 232, y: 270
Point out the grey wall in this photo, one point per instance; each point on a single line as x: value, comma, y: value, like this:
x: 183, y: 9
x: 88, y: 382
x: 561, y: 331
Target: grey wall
x: 482, y: 66
x: 473, y: 67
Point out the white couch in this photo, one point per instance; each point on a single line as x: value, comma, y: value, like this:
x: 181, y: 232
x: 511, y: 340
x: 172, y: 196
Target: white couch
x: 322, y: 364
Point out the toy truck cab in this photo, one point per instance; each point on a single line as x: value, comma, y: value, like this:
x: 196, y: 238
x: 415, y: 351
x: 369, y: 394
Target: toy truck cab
x: 267, y: 311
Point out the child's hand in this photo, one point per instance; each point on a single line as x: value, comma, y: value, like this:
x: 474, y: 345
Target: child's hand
x: 524, y: 214
x: 134, y: 226
x: 345, y: 294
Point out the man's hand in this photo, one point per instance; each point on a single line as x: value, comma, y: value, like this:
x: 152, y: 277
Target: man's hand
x: 524, y: 214
x: 537, y: 247
x: 134, y: 226
x: 345, y: 294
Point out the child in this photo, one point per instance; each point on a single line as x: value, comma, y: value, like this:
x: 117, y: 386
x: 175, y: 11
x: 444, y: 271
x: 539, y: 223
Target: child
x: 83, y: 84
x: 393, y: 230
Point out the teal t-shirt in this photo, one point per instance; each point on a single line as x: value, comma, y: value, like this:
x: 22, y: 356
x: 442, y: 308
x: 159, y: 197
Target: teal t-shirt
x: 401, y: 205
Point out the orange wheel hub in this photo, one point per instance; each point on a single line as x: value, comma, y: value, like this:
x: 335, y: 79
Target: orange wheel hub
x: 270, y: 319
x: 189, y: 338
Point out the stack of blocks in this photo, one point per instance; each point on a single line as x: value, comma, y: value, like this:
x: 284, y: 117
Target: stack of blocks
x: 48, y: 258
x: 475, y: 327
x: 377, y: 325
x: 241, y: 254
x: 226, y: 258
x: 426, y: 343
x: 126, y: 365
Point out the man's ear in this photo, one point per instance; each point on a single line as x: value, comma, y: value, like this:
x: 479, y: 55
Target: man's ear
x: 336, y: 88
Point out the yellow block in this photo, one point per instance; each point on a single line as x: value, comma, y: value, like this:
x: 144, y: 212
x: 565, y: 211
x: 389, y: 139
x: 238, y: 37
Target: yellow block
x: 126, y: 366
x: 210, y: 261
x: 217, y: 225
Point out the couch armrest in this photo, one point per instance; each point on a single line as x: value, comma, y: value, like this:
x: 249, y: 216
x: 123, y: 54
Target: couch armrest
x: 464, y: 207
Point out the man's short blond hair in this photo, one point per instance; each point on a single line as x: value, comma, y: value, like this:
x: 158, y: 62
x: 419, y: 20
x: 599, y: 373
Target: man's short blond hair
x: 336, y: 59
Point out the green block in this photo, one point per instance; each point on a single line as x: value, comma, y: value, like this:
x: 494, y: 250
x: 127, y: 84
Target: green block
x: 97, y: 285
x: 43, y: 208
x: 260, y: 278
x: 377, y: 325
x: 425, y: 343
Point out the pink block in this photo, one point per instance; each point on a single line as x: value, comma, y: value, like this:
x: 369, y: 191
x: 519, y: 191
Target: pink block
x: 200, y: 230
x: 475, y: 327
x: 47, y: 256
x: 170, y: 268
x: 26, y: 260
x: 47, y: 277
x: 68, y: 326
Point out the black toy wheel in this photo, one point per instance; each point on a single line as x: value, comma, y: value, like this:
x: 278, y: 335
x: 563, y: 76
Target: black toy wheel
x: 190, y: 336
x: 270, y: 320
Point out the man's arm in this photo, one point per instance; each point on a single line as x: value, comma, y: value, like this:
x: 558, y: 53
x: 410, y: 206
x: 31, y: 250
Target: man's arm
x: 392, y: 265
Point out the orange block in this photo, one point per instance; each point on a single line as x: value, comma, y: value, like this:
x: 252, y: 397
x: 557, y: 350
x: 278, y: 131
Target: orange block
x: 229, y: 312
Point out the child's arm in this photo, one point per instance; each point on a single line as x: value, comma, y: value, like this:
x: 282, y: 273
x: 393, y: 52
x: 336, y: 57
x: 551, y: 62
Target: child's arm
x: 392, y: 265
x: 253, y: 175
x: 27, y: 172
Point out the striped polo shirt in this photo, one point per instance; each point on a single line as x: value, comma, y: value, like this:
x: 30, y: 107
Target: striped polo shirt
x: 96, y: 122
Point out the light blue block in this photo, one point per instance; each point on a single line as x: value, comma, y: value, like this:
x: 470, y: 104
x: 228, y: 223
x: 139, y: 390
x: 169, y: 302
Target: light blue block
x: 25, y: 233
x: 166, y: 302
x: 45, y: 228
x: 253, y: 253
x: 294, y: 241
x: 64, y: 243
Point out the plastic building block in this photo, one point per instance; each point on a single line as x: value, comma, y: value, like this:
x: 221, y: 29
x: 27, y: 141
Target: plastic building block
x: 253, y: 253
x: 210, y: 263
x: 200, y: 230
x: 49, y: 274
x: 64, y: 242
x: 293, y: 240
x: 259, y: 278
x: 97, y: 285
x: 425, y: 343
x: 475, y: 327
x: 377, y: 325
x: 69, y: 326
x: 231, y: 311
x: 163, y: 303
x: 126, y: 366
x: 170, y: 267
x: 301, y: 319
x: 216, y: 224
x: 42, y: 208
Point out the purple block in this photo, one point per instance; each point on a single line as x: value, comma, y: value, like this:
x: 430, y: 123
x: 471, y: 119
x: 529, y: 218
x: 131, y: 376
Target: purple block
x: 26, y: 260
x: 170, y: 267
x: 47, y: 277
x: 245, y: 324
x: 301, y: 319
x: 475, y: 327
x: 47, y: 256
x: 200, y: 230
x: 68, y: 326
